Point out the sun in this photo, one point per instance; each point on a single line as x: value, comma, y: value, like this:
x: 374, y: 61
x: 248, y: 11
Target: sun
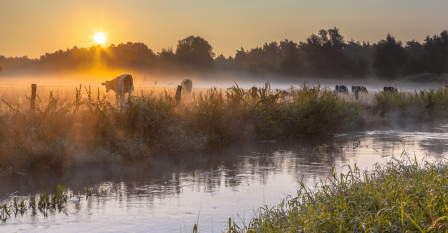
x: 99, y: 38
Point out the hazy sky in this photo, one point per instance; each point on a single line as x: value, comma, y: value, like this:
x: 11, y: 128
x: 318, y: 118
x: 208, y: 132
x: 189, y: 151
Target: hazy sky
x: 32, y: 27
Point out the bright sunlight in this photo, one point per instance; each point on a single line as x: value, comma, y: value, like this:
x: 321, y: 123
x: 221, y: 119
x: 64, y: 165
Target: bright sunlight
x: 100, y: 38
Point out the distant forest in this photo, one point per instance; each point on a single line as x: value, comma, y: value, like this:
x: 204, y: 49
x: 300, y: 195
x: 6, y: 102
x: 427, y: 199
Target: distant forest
x: 325, y: 54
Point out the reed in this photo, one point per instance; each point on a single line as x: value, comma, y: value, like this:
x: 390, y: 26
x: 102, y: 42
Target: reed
x: 399, y: 196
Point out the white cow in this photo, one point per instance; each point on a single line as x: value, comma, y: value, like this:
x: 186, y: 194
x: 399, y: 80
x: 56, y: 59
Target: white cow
x: 187, y: 85
x: 121, y: 84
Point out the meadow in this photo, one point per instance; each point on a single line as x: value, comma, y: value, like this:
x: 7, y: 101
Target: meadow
x: 84, y: 125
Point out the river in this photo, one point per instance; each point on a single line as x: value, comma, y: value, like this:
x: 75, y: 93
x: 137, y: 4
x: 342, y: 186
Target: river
x: 172, y: 193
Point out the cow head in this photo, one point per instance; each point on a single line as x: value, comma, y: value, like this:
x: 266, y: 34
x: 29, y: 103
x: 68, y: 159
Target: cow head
x: 106, y: 84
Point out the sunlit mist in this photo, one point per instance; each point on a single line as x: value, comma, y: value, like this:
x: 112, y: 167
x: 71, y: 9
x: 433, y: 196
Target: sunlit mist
x: 99, y: 38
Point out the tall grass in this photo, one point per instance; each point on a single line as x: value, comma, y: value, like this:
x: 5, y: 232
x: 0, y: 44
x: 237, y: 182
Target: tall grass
x: 395, y: 197
x: 90, y: 129
x: 417, y: 105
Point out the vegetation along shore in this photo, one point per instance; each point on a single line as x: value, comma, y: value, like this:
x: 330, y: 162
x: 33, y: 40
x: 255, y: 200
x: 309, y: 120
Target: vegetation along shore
x: 400, y: 196
x: 88, y: 129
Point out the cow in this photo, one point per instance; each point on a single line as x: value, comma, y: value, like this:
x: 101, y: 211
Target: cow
x: 120, y: 85
x: 187, y: 85
x: 360, y: 89
x: 253, y: 91
x: 341, y: 88
x: 390, y: 89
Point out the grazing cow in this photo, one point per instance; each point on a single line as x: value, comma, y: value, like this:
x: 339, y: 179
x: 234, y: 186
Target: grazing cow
x: 360, y: 89
x: 390, y: 89
x: 187, y: 85
x: 341, y: 88
x: 120, y: 85
x: 253, y: 92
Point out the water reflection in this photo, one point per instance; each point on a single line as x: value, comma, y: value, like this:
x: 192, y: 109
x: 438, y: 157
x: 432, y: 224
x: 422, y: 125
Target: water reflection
x: 169, y: 193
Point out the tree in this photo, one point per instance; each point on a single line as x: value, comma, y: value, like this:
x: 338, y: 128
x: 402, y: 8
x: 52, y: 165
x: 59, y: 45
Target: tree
x: 196, y: 53
x: 436, y: 53
x: 223, y: 63
x: 324, y: 53
x: 389, y: 58
x: 413, y: 63
x: 290, y: 63
x: 414, y: 48
x: 241, y: 59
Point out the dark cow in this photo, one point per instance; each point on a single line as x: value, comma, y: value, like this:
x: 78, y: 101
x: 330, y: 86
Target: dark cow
x: 253, y: 92
x: 360, y: 89
x: 120, y: 85
x: 390, y: 89
x: 341, y: 88
x: 187, y: 85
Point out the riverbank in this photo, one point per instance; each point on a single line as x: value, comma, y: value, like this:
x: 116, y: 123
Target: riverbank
x: 400, y: 196
x: 91, y: 130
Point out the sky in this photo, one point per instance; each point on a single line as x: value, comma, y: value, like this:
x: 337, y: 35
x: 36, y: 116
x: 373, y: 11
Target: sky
x: 32, y: 28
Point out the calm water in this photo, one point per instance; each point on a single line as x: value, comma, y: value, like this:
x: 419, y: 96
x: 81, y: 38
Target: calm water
x: 171, y: 194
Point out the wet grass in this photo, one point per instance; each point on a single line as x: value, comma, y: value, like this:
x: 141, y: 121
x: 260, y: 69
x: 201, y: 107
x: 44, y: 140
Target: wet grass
x: 44, y: 202
x: 88, y: 128
x: 400, y: 196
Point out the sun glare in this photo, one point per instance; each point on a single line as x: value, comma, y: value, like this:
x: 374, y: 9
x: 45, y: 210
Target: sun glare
x: 100, y: 38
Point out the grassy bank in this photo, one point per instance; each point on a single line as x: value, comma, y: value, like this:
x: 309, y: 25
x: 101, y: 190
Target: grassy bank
x: 396, y: 197
x: 90, y: 129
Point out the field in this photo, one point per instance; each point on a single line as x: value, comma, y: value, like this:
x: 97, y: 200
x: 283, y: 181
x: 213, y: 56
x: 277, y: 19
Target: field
x: 83, y: 125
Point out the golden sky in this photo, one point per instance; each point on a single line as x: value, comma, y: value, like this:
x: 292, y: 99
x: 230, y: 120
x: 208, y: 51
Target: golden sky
x: 33, y: 27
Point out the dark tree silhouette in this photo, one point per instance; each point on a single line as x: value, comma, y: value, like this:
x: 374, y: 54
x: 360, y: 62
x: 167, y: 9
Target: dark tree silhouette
x: 323, y: 54
x: 223, y: 63
x: 389, y: 58
x: 413, y: 63
x: 290, y: 63
x: 436, y: 53
x: 359, y: 56
x: 414, y: 48
x: 241, y: 59
x: 166, y: 59
x: 260, y: 59
x: 196, y: 53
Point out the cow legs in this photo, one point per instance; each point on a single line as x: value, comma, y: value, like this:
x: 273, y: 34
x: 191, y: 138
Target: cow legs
x: 118, y: 95
x: 123, y: 95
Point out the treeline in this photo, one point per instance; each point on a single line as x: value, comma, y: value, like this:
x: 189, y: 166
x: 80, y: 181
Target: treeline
x: 192, y: 53
x: 326, y: 54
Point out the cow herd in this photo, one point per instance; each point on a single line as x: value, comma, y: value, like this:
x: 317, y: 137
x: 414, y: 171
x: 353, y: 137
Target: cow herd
x: 125, y: 84
x: 361, y: 89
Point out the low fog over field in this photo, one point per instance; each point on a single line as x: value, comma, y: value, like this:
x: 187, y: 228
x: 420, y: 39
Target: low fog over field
x: 219, y: 80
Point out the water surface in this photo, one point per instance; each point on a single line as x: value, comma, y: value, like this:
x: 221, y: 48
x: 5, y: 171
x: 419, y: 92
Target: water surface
x: 172, y: 193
